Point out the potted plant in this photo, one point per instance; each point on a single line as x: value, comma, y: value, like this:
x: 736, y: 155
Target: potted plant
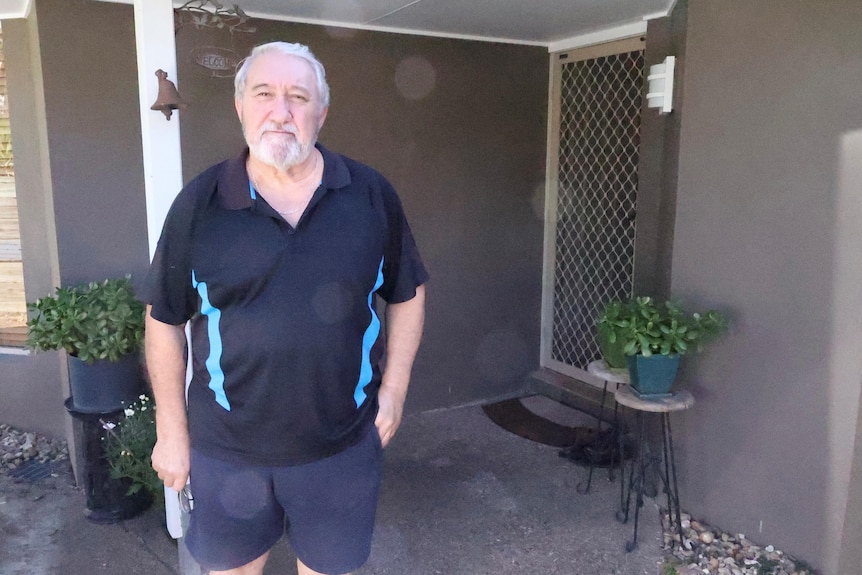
x: 654, y: 336
x: 101, y: 326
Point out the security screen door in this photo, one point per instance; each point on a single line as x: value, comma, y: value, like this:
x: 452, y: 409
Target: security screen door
x: 592, y: 179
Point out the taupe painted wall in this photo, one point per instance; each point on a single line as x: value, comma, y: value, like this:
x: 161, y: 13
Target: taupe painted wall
x: 467, y: 159
x: 768, y: 226
x: 31, y: 393
x: 94, y: 134
x: 76, y: 138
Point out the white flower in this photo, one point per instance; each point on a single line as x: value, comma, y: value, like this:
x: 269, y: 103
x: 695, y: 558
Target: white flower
x: 142, y: 397
x: 108, y: 425
x: 143, y: 408
x: 129, y: 412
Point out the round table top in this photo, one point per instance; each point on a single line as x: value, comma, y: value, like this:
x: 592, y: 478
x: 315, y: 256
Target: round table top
x: 676, y: 401
x: 600, y: 368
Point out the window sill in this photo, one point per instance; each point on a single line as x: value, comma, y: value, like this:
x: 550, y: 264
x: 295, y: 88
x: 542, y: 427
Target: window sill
x: 7, y: 350
x: 12, y: 340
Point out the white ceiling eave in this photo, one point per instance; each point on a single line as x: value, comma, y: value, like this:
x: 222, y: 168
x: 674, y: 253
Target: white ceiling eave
x: 392, y: 29
x: 555, y: 24
x: 10, y: 9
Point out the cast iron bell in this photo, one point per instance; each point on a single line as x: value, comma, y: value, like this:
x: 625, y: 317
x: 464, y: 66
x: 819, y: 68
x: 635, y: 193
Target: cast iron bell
x: 169, y: 99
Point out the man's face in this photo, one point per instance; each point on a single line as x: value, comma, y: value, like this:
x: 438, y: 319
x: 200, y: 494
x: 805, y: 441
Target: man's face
x: 280, y: 110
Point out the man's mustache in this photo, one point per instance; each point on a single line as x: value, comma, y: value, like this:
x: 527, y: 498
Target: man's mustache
x: 273, y: 127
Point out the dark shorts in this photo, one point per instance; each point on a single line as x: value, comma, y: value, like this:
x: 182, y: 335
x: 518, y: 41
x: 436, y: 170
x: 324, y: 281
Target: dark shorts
x: 327, y: 508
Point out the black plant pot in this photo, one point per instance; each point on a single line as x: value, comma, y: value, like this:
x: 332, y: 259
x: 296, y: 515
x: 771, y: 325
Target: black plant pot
x: 105, y: 386
x: 108, y: 500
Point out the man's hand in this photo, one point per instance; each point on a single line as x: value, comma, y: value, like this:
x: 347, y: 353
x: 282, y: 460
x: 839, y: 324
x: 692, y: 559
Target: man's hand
x: 391, y: 401
x: 171, y: 461
x: 404, y: 324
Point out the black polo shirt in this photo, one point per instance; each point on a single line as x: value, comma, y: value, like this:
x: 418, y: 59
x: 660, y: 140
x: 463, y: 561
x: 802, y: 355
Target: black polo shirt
x: 285, y: 340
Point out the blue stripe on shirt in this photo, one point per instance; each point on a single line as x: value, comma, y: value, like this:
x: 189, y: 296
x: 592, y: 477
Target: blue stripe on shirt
x: 368, y: 340
x: 213, y: 363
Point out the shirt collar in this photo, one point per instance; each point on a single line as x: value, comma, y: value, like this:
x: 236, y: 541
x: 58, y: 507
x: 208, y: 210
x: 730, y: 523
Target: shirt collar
x: 233, y: 185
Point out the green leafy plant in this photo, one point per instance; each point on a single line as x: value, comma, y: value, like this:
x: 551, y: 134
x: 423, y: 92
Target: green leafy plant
x: 99, y: 320
x: 129, y: 445
x: 611, y: 335
x: 644, y: 327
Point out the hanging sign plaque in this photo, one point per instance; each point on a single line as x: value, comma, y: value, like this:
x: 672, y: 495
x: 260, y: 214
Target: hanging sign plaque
x: 219, y: 62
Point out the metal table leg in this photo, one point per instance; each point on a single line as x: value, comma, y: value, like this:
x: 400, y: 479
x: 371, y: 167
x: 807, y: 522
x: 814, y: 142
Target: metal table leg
x: 637, y: 482
x: 678, y: 401
x: 669, y: 478
x: 585, y: 490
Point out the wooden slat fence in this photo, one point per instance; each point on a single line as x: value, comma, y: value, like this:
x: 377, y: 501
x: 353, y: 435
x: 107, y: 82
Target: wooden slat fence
x: 13, y: 309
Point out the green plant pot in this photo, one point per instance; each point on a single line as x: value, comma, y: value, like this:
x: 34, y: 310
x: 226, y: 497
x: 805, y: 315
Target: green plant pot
x: 652, y: 375
x: 612, y: 353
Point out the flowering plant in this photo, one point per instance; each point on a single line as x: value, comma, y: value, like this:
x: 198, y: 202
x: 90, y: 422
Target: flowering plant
x: 129, y: 445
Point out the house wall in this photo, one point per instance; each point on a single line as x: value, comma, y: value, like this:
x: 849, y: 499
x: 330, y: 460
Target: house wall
x: 767, y: 227
x: 94, y: 134
x: 459, y: 128
x: 76, y: 136
x: 31, y: 392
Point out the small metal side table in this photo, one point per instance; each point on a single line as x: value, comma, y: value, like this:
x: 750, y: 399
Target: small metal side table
x: 600, y: 369
x: 664, y: 405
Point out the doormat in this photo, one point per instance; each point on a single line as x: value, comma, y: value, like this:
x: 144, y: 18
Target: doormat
x: 513, y: 416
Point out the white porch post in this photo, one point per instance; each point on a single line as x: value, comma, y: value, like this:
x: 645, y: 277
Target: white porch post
x: 154, y: 38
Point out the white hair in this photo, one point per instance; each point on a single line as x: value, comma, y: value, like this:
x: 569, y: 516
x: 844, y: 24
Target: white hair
x: 288, y: 49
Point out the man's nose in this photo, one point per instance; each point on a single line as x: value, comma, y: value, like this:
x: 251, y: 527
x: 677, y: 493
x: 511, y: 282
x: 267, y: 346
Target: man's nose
x: 281, y: 108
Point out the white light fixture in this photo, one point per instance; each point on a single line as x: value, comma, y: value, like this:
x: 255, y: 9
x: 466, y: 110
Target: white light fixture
x: 660, y: 85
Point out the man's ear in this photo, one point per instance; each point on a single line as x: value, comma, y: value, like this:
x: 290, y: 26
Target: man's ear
x: 237, y: 104
x: 322, y: 118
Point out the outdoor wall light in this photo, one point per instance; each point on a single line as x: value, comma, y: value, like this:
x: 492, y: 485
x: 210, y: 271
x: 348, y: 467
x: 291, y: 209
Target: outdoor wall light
x: 168, y: 99
x: 660, y: 85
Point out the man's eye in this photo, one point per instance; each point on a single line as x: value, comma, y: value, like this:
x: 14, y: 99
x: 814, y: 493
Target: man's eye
x: 263, y: 94
x: 299, y: 98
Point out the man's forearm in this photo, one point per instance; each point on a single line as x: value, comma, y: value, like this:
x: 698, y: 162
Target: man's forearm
x: 404, y: 326
x: 165, y: 345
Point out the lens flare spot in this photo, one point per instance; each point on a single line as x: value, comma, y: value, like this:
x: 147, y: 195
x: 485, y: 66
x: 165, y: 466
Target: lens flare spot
x: 415, y: 78
x: 244, y: 495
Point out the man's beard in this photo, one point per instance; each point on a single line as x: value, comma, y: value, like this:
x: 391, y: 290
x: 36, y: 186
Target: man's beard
x: 279, y: 151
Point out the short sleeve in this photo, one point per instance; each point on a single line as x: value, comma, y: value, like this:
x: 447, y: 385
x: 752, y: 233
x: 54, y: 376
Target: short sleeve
x: 168, y: 285
x: 403, y: 270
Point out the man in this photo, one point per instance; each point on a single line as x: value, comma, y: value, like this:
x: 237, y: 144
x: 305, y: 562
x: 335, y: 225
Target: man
x: 275, y: 257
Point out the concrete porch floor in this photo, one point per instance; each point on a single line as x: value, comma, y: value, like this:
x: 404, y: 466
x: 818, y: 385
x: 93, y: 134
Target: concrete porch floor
x: 461, y: 496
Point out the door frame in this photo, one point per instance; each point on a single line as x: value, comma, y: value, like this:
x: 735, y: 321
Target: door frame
x: 556, y: 61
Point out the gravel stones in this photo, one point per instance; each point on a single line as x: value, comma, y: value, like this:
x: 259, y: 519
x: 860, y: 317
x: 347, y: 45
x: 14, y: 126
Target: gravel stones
x: 708, y: 551
x: 19, y: 447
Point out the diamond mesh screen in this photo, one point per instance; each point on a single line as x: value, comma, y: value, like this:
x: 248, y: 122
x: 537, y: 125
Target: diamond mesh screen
x: 600, y: 104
